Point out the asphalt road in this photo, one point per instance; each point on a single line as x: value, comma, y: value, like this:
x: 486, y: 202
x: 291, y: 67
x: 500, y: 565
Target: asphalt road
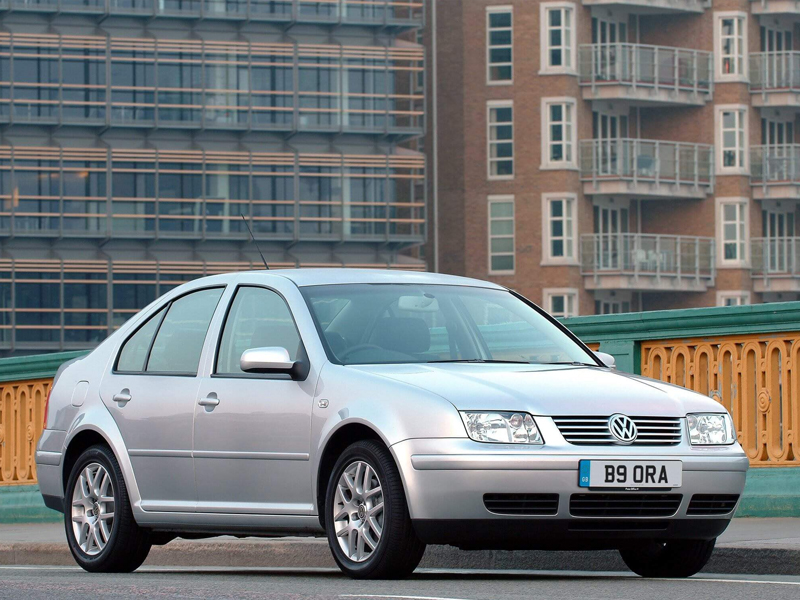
x: 51, y: 583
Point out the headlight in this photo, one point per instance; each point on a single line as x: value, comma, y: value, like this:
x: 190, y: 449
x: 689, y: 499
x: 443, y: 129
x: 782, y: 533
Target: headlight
x: 501, y: 427
x: 711, y: 430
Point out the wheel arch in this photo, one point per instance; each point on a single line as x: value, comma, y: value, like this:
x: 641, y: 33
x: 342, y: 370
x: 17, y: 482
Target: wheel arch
x: 339, y: 439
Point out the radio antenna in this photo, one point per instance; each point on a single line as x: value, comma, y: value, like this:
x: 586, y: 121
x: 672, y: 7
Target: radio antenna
x: 252, y: 237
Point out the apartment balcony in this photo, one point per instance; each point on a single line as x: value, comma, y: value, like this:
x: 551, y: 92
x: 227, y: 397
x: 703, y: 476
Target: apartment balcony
x: 775, y: 172
x: 395, y: 15
x: 646, y: 75
x: 647, y: 263
x: 774, y: 7
x: 775, y: 264
x: 646, y: 168
x: 655, y: 6
x: 775, y: 79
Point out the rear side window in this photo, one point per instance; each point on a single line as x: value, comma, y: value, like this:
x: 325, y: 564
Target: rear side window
x: 179, y: 341
x: 134, y: 352
x: 258, y: 318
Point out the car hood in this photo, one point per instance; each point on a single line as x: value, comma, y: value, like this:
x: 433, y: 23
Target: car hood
x: 547, y: 390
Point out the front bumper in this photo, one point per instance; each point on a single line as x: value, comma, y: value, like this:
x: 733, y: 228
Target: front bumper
x: 446, y: 479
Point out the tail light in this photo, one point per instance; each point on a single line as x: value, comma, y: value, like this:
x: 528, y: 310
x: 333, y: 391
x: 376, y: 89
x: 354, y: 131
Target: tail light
x: 47, y: 406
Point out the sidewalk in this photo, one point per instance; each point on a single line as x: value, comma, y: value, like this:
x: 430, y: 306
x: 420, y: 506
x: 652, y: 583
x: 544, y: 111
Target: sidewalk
x: 749, y: 546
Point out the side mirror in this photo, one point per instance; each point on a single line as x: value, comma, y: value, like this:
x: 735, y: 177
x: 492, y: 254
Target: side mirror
x: 272, y: 360
x: 607, y: 359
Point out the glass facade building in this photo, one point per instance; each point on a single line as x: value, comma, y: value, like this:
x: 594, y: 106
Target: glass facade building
x: 136, y: 134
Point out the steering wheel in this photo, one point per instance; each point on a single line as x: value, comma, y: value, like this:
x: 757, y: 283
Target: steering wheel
x: 356, y: 348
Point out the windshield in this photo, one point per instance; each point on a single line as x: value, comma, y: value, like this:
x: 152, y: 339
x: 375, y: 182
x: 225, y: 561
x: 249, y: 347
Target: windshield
x: 409, y: 323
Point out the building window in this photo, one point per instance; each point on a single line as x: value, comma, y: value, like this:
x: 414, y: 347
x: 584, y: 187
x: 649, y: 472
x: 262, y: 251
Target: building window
x: 730, y: 35
x: 559, y: 229
x: 557, y: 37
x: 501, y: 140
x: 501, y: 234
x: 561, y: 302
x: 733, y: 298
x: 612, y: 303
x: 499, y: 44
x: 732, y: 231
x: 558, y: 117
x: 732, y: 139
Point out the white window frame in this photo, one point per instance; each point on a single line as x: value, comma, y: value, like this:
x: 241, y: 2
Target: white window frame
x: 744, y: 111
x: 571, y: 200
x: 489, y: 11
x: 504, y: 199
x: 742, y: 237
x: 489, y: 160
x: 743, y: 297
x: 569, y: 138
x: 570, y: 296
x: 718, y: 56
x: 544, y: 39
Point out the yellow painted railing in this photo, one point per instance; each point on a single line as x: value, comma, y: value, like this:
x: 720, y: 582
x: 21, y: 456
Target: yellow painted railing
x: 756, y: 377
x: 21, y: 422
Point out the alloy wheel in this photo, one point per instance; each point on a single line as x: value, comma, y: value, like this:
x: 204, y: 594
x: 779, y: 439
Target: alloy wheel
x: 358, y: 514
x: 93, y: 509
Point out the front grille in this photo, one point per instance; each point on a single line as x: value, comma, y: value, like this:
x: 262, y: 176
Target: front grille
x: 593, y: 431
x: 521, y: 504
x: 712, y: 504
x: 624, y: 505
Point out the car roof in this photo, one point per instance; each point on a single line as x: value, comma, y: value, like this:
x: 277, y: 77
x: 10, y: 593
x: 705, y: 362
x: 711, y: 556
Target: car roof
x: 332, y: 276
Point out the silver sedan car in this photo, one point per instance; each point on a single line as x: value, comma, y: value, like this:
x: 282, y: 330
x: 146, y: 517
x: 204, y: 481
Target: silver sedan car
x: 387, y: 411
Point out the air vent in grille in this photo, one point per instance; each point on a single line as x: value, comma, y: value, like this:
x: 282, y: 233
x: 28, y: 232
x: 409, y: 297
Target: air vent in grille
x: 712, y: 504
x: 521, y: 504
x: 624, y: 505
x: 593, y: 431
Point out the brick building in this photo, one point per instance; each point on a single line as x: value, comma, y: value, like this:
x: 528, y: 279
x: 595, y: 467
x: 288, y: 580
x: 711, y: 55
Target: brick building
x: 609, y: 155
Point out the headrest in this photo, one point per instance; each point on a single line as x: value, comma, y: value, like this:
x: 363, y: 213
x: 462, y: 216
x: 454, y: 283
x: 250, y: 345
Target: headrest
x: 406, y: 335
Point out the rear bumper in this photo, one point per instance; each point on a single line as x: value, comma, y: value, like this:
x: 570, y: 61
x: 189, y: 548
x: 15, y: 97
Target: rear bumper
x: 446, y: 480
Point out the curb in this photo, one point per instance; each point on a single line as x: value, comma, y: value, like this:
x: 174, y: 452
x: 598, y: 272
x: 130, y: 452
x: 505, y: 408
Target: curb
x: 314, y: 553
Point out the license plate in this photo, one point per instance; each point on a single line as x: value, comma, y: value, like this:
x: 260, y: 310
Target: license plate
x: 636, y: 474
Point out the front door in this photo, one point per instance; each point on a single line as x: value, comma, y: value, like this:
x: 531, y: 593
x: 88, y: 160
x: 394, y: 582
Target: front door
x: 151, y: 394
x: 252, y: 432
x: 611, y: 239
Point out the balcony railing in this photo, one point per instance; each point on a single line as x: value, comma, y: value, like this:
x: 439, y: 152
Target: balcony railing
x: 774, y: 7
x: 383, y: 13
x: 775, y: 165
x: 650, y: 162
x: 775, y: 72
x: 649, y: 260
x: 775, y: 257
x: 664, y: 6
x: 638, y: 67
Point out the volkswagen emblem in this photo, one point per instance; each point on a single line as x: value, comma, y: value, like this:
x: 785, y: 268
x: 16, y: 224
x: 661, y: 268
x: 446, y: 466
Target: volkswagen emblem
x: 623, y: 428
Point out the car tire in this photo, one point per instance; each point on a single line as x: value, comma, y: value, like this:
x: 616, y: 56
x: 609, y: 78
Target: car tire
x: 101, y: 531
x: 352, y: 521
x: 673, y: 559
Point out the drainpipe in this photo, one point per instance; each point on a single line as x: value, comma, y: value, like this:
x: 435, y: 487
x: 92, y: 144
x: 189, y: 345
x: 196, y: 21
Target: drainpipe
x: 435, y: 129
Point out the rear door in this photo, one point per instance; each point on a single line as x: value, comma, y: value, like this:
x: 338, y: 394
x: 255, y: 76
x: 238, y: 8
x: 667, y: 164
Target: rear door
x: 151, y: 394
x: 252, y: 431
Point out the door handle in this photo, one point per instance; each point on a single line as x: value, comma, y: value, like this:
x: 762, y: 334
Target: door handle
x: 209, y: 401
x: 123, y: 397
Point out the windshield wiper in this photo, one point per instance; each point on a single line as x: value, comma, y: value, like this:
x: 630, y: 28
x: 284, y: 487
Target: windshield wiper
x: 480, y: 360
x: 570, y: 363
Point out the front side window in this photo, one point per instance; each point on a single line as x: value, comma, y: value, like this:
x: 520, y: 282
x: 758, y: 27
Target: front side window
x: 500, y: 48
x: 410, y: 323
x: 501, y: 141
x: 179, y: 341
x: 501, y: 235
x: 734, y: 226
x: 258, y: 318
x: 733, y: 138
